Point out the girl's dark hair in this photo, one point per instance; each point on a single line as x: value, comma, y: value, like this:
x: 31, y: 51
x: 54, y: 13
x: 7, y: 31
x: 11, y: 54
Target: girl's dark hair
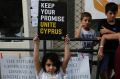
x: 111, y: 6
x: 54, y: 58
x: 85, y: 14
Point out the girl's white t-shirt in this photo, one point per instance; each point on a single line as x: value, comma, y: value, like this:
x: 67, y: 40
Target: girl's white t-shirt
x: 44, y: 75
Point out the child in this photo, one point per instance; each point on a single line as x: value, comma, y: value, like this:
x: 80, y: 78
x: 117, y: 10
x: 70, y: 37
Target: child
x: 115, y: 36
x: 51, y: 66
x: 110, y: 25
x: 84, y: 31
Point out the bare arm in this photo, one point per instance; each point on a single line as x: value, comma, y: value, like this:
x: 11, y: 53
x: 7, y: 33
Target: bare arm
x: 77, y: 32
x: 95, y: 42
x: 67, y: 54
x: 36, y: 54
x: 102, y: 42
x: 109, y: 37
x: 106, y: 31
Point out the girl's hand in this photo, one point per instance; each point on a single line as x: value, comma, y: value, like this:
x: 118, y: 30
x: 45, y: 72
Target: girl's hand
x: 67, y: 39
x: 36, y: 40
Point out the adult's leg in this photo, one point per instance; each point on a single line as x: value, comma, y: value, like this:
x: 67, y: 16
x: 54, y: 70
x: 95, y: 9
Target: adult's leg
x: 117, y: 63
x: 104, y: 67
x: 111, y: 64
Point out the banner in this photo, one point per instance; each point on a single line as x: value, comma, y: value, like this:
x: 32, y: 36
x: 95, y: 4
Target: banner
x: 78, y: 68
x: 52, y: 20
x: 15, y: 68
x: 97, y: 8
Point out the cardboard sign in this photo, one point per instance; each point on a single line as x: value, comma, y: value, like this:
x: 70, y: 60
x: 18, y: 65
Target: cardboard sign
x: 78, y: 68
x: 15, y: 68
x: 52, y: 20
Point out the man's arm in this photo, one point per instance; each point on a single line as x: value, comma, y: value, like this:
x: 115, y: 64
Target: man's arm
x: 105, y: 37
x: 106, y: 31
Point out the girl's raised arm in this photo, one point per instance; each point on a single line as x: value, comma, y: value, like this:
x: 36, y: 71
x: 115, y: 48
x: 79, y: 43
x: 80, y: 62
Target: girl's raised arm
x: 67, y: 53
x: 36, y: 54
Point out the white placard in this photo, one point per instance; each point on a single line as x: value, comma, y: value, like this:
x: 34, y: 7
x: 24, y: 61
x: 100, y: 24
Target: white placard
x: 15, y: 68
x: 78, y: 68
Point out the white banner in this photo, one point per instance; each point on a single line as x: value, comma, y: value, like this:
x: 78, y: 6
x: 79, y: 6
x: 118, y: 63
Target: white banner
x: 97, y: 7
x: 78, y: 68
x: 15, y: 68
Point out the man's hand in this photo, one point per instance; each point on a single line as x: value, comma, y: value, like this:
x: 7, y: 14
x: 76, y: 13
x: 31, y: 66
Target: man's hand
x: 100, y: 53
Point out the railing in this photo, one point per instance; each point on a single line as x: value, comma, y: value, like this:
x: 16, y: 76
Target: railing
x: 52, y: 50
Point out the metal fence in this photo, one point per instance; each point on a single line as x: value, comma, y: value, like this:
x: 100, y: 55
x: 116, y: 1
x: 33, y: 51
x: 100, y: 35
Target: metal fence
x: 59, y: 48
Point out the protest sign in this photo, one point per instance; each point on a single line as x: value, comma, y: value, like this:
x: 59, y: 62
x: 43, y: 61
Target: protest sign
x: 17, y: 68
x: 78, y: 68
x: 52, y: 20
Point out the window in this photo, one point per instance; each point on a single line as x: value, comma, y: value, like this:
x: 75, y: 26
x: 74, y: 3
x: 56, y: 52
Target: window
x: 11, y: 18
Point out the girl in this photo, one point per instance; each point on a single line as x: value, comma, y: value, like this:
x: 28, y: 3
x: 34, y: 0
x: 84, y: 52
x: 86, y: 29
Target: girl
x: 51, y: 66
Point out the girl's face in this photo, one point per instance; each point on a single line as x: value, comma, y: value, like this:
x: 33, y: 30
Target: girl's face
x: 86, y: 21
x: 50, y: 67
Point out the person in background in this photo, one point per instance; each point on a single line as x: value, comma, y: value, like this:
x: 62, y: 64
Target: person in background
x: 107, y: 26
x: 85, y: 32
x: 51, y: 67
x: 104, y: 38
